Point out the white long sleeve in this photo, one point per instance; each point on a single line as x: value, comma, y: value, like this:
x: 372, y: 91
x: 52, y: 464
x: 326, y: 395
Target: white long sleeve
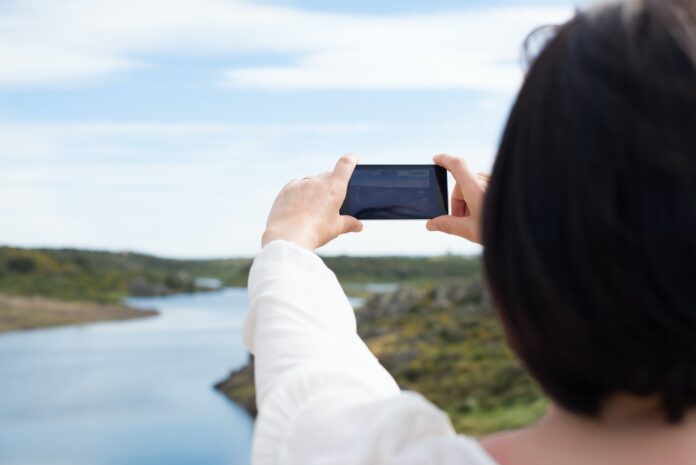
x: 323, y: 398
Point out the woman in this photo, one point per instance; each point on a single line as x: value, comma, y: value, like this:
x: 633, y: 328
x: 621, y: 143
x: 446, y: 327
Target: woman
x: 589, y: 234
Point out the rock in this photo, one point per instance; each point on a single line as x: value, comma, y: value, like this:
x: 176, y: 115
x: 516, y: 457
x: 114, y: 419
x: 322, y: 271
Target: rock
x: 402, y: 301
x: 141, y: 287
x: 239, y: 386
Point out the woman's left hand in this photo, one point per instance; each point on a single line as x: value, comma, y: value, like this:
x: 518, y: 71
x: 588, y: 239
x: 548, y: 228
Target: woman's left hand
x: 307, y: 212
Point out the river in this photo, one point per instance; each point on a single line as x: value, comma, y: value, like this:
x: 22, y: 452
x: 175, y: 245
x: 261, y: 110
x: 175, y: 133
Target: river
x: 134, y: 392
x: 137, y: 392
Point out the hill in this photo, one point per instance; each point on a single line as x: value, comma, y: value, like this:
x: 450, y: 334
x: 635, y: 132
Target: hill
x: 70, y: 274
x: 97, y: 276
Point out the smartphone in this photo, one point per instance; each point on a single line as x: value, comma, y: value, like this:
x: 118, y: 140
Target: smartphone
x: 396, y: 192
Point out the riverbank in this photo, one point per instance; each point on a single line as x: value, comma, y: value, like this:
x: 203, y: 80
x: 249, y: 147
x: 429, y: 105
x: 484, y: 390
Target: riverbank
x: 446, y: 342
x: 21, y: 313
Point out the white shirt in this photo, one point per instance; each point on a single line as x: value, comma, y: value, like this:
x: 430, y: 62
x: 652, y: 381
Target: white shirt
x: 323, y: 397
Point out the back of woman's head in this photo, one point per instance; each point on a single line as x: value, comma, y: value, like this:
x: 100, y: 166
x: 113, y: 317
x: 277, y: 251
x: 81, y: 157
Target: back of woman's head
x: 590, y: 216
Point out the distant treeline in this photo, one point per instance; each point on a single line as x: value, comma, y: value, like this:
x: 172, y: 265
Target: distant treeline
x: 109, y: 276
x: 106, y: 276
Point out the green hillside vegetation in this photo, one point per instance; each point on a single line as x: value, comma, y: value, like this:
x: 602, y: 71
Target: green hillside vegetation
x: 104, y: 276
x: 70, y: 274
x: 445, y: 342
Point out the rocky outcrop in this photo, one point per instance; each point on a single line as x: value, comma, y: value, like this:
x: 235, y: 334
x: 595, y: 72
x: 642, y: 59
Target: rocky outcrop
x: 444, y: 341
x: 239, y: 386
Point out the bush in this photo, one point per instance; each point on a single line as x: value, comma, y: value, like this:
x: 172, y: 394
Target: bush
x: 23, y: 265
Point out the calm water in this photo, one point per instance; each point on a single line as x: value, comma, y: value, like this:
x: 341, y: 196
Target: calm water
x: 136, y: 392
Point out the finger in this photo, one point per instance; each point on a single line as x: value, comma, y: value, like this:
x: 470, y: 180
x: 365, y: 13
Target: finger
x: 456, y: 165
x: 466, y: 179
x: 459, y: 226
x: 459, y: 207
x: 344, y: 168
x: 457, y: 192
x: 458, y: 203
x: 351, y: 224
x: 325, y: 175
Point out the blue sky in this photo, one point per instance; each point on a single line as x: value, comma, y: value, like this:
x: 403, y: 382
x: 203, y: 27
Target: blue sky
x: 168, y: 126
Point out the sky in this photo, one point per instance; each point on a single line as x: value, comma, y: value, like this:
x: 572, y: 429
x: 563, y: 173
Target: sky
x: 168, y: 126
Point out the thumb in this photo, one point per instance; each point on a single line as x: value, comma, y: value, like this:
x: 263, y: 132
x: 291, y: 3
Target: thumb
x: 449, y: 224
x: 351, y: 224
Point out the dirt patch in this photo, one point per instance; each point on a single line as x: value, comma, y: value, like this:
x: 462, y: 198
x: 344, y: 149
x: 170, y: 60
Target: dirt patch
x: 18, y: 313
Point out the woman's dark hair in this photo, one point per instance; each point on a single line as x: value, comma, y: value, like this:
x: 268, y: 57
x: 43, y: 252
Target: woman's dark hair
x: 590, y: 216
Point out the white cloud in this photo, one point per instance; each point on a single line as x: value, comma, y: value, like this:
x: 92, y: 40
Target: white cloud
x: 49, y: 42
x: 477, y: 50
x: 93, y: 142
x: 163, y: 129
x: 189, y: 189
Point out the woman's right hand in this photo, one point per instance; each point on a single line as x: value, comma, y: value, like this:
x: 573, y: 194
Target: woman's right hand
x: 467, y: 201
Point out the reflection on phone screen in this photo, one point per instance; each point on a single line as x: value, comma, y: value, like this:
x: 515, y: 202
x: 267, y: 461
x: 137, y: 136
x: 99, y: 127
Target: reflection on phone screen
x: 396, y: 192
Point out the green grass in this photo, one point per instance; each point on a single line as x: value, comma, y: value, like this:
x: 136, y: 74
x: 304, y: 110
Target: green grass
x: 482, y: 422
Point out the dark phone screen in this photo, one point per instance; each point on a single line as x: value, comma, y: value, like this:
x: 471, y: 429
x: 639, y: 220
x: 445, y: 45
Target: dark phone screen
x: 396, y: 192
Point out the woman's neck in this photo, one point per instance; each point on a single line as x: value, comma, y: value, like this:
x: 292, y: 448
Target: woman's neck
x: 629, y: 430
x: 621, y: 412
